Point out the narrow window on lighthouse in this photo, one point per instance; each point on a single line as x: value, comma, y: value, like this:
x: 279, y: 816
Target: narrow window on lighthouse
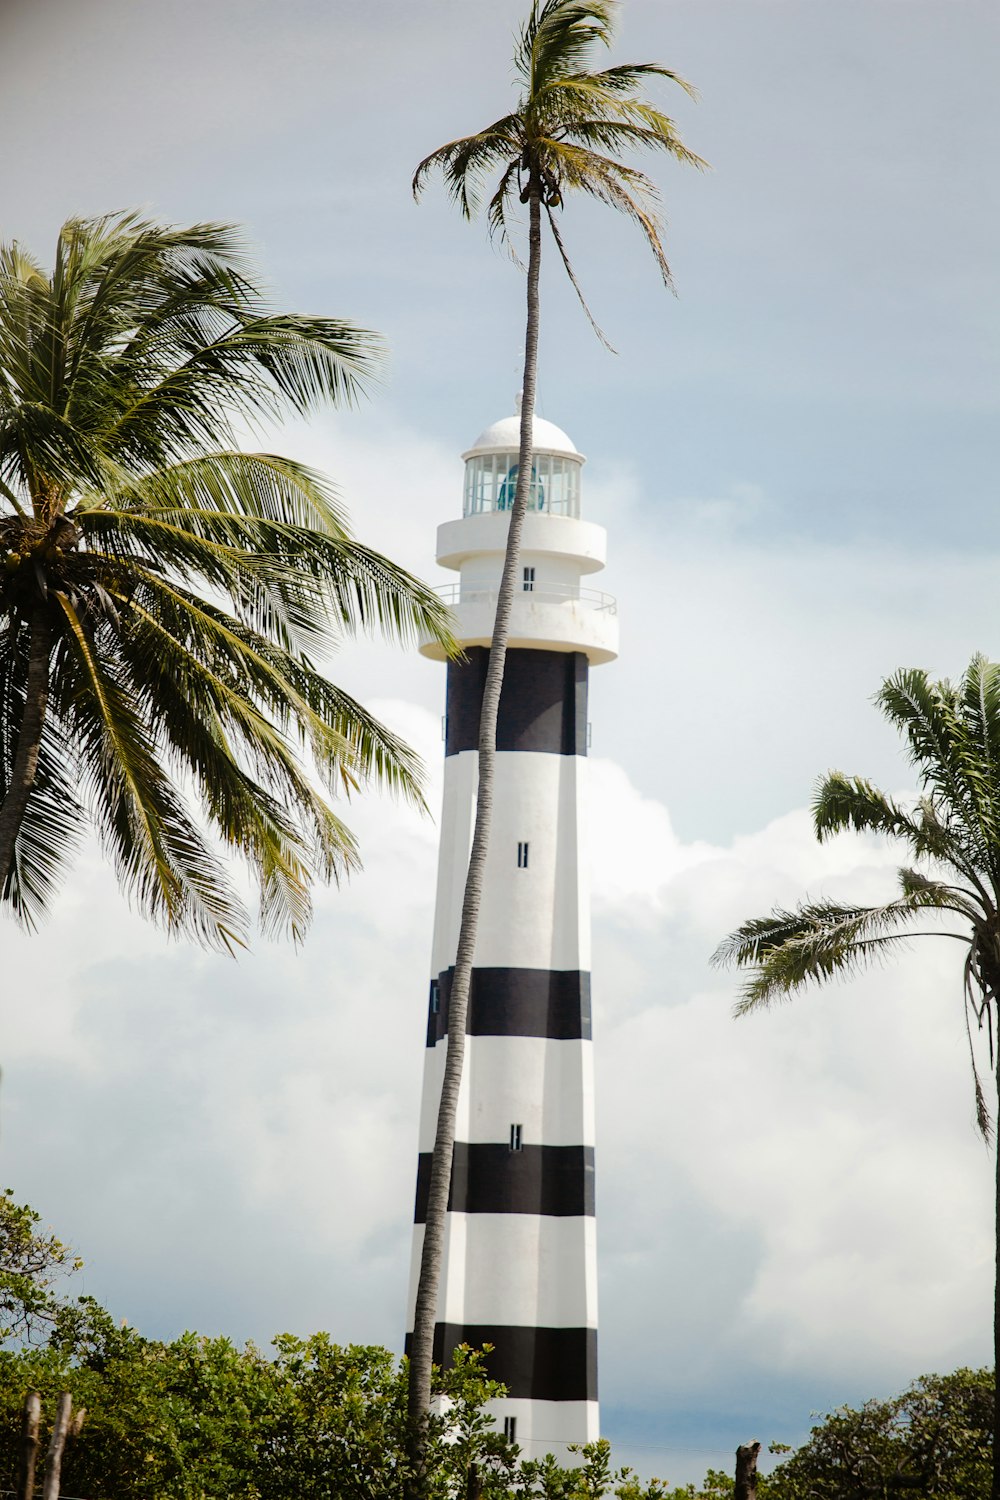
x: 510, y: 1428
x: 435, y: 997
x: 529, y: 580
x: 522, y: 856
x: 515, y: 1137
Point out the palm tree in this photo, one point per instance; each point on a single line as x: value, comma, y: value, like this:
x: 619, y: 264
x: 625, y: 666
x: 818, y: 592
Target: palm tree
x: 952, y: 733
x: 161, y: 590
x: 562, y: 137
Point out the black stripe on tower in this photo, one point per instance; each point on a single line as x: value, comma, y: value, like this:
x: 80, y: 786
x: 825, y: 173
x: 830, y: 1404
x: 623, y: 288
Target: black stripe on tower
x: 490, y: 1178
x: 539, y: 1364
x: 553, y: 1003
x: 543, y: 702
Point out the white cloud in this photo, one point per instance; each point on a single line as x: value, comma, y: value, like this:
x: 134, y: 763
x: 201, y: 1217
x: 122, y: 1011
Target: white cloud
x: 802, y: 1192
x: 635, y: 853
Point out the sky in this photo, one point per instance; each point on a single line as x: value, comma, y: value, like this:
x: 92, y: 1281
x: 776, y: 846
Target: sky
x: 795, y: 458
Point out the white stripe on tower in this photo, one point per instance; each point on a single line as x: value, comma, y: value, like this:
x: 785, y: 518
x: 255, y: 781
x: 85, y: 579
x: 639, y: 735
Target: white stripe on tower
x: 520, y: 1267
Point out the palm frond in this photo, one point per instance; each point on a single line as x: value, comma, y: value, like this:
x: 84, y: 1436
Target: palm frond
x: 979, y: 696
x: 506, y: 192
x: 48, y: 837
x: 308, y: 581
x: 466, y: 163
x: 558, y: 37
x: 851, y: 802
x: 343, y: 738
x: 309, y: 359
x: 570, y: 101
x: 246, y: 373
x: 788, y: 950
x: 842, y: 802
x: 127, y: 287
x: 621, y: 135
x: 250, y: 674
x: 623, y: 188
x: 625, y: 78
x: 252, y: 789
x: 976, y: 1003
x: 568, y: 268
x: 944, y: 755
x: 35, y: 440
x: 19, y: 269
x: 162, y: 861
x: 264, y: 485
x: 25, y: 306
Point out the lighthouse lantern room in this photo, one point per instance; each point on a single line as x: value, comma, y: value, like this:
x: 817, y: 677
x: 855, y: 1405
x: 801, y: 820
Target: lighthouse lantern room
x: 520, y: 1266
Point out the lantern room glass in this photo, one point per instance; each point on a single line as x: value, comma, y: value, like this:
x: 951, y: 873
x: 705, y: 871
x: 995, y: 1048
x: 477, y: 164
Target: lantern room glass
x: 491, y: 480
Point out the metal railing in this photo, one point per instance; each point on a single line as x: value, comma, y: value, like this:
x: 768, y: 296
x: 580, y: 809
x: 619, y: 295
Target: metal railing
x: 543, y: 593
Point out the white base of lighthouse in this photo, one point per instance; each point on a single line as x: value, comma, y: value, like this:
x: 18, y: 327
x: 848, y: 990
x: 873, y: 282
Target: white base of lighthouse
x: 542, y: 1427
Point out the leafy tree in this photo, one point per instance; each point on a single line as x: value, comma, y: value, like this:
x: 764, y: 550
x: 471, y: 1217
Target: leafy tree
x: 172, y: 1420
x: 933, y: 1441
x: 592, y: 1479
x: 717, y: 1486
x: 31, y: 1262
x: 200, y: 1419
x: 162, y: 592
x: 566, y: 134
x: 952, y: 837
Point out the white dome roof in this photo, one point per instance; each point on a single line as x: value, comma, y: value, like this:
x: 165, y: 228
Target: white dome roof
x: 505, y: 436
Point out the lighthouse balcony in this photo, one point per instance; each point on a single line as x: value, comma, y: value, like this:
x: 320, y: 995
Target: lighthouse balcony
x: 582, y: 542
x: 551, y: 616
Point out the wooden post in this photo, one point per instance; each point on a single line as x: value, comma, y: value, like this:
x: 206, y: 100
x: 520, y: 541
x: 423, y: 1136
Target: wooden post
x: 746, y: 1472
x: 31, y: 1417
x: 54, y: 1457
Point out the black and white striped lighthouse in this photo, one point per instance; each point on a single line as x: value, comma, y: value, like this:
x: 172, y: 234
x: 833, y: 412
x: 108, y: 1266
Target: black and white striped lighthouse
x: 520, y: 1269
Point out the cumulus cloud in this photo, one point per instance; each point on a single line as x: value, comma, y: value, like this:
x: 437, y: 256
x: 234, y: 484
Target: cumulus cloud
x: 801, y: 1195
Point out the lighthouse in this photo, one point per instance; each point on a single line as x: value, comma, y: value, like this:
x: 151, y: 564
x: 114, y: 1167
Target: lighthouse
x: 520, y: 1262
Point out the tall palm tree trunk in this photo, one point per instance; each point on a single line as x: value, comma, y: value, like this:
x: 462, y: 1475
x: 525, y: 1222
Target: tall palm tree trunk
x: 29, y: 740
x: 995, y: 1491
x: 425, y: 1311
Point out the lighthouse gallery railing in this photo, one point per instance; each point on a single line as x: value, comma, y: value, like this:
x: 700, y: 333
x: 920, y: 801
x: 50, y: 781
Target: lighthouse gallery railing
x: 543, y: 593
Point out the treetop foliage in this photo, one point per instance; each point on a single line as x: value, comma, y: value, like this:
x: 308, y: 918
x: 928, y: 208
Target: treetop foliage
x: 164, y: 594
x: 31, y: 1263
x: 934, y: 1440
x: 200, y: 1419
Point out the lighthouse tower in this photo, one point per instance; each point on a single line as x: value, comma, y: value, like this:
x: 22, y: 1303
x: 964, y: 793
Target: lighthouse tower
x: 520, y: 1267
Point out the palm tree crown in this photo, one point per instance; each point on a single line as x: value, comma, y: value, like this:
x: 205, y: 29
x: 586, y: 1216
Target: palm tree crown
x: 952, y: 733
x: 953, y: 738
x: 566, y: 130
x: 161, y: 590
